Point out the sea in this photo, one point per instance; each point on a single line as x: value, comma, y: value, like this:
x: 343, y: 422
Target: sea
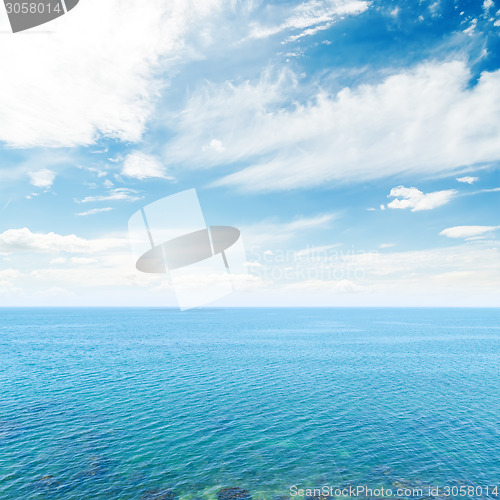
x: 271, y: 404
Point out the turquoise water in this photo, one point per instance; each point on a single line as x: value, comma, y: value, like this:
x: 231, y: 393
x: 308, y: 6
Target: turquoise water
x: 123, y: 403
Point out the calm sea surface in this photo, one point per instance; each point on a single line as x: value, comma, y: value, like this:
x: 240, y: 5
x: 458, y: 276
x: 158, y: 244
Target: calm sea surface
x: 132, y: 403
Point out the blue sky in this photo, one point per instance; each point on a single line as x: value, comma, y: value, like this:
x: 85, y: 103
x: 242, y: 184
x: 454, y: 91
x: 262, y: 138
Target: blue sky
x: 354, y: 143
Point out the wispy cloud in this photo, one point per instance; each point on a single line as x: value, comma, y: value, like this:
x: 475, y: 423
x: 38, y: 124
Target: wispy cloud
x: 119, y: 194
x: 5, y: 206
x: 310, y: 17
x: 338, y: 137
x: 315, y: 251
x: 269, y: 233
x: 488, y: 190
x: 468, y: 231
x: 15, y: 240
x: 94, y: 211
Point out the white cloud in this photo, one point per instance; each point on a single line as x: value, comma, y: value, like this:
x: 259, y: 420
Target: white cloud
x: 94, y: 211
x: 468, y: 179
x: 42, y: 178
x: 416, y: 200
x: 427, y: 120
x: 143, y: 166
x: 467, y: 231
x: 434, y: 8
x: 309, y: 32
x: 16, y: 240
x: 470, y: 30
x: 94, y: 73
x: 308, y: 15
x: 215, y: 145
x: 119, y: 194
x: 487, y: 4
